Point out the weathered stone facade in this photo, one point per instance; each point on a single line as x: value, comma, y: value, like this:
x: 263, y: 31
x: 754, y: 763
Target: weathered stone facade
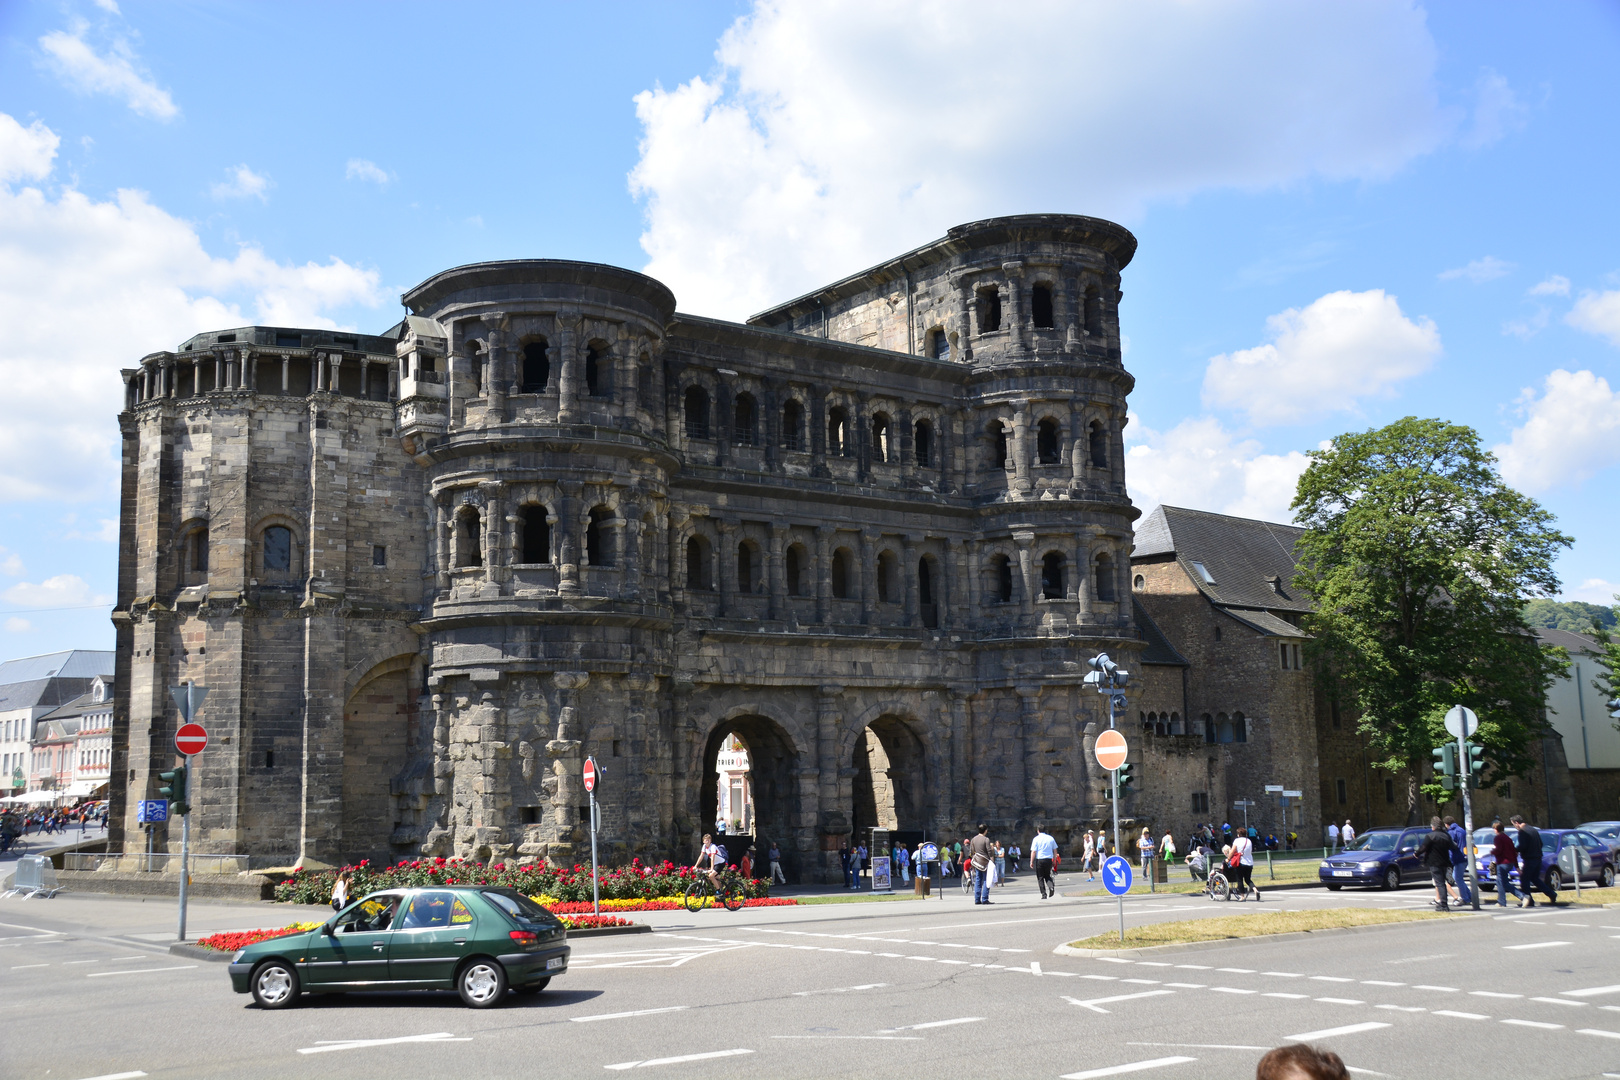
x: 547, y: 516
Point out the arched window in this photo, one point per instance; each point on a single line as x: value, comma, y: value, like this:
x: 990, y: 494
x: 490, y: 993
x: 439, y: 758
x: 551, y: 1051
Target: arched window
x: 536, y: 546
x: 1046, y: 442
x: 882, y: 436
x: 941, y: 344
x: 1208, y: 727
x: 925, y: 580
x: 1001, y: 569
x: 888, y: 578
x: 277, y: 555
x: 477, y: 366
x: 1225, y: 731
x: 1052, y: 575
x: 744, y: 420
x: 1099, y: 445
x: 697, y: 412
x: 1093, y: 312
x: 469, y: 537
x: 792, y: 425
x: 1240, y: 728
x: 747, y: 568
x: 1040, y: 305
x: 536, y: 368
x: 989, y: 302
x: 196, y: 552
x: 840, y: 574
x: 837, y: 432
x: 597, y: 370
x: 922, y: 443
x: 1139, y: 583
x: 793, y: 569
x: 998, y: 445
x: 1105, y: 577
x: 697, y: 563
x: 598, y: 537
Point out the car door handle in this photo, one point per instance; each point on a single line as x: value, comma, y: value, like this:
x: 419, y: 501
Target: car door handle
x: 379, y: 945
x: 461, y: 941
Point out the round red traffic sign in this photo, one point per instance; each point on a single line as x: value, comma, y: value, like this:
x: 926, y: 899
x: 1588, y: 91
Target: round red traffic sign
x: 1111, y: 750
x: 190, y: 739
x: 590, y: 774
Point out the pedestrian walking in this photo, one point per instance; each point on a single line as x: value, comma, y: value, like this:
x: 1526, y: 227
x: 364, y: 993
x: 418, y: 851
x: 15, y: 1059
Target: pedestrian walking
x: 1145, y: 848
x: 1042, y: 852
x: 1088, y: 852
x: 1530, y: 852
x: 340, y: 890
x: 1167, y: 849
x: 844, y: 857
x: 863, y: 863
x: 1459, y: 862
x: 1242, y: 863
x: 1506, y: 857
x: 903, y: 857
x: 1015, y: 854
x: 1435, y: 854
x: 979, y: 855
x: 1347, y: 835
x: 1330, y: 836
x: 775, y: 855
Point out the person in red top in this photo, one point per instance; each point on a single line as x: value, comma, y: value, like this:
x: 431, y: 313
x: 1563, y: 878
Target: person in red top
x: 1507, y: 857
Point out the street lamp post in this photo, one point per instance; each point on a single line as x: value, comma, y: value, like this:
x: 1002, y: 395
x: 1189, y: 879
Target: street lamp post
x: 1109, y: 678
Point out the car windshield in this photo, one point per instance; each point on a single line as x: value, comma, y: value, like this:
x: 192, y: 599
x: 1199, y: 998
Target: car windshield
x: 1607, y: 832
x: 522, y: 909
x: 1374, y: 841
x: 1487, y: 837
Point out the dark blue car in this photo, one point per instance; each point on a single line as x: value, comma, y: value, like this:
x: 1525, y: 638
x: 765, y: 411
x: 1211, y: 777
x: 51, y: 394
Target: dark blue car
x: 1385, y: 858
x: 1552, y: 842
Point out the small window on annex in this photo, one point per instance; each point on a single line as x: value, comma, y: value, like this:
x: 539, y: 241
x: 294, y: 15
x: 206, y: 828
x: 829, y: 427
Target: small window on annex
x: 747, y: 567
x: 697, y: 412
x: 697, y: 564
x: 744, y: 423
x: 536, y: 538
x: 841, y: 574
x: 1001, y: 569
x: 194, y: 555
x: 999, y: 453
x: 1099, y: 445
x: 883, y: 448
x: 598, y: 368
x: 989, y: 303
x: 1040, y: 305
x: 277, y: 549
x: 599, y: 537
x: 922, y: 443
x: 536, y: 368
x: 793, y: 564
x: 941, y: 344
x: 469, y: 539
x: 837, y: 432
x: 1047, y: 446
x: 792, y: 425
x: 888, y: 578
x: 1052, y: 575
x: 1103, y: 587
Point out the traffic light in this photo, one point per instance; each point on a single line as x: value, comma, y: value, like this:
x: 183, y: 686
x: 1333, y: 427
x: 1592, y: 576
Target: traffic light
x: 174, y: 789
x: 1445, y: 765
x: 1125, y: 778
x: 1476, y: 766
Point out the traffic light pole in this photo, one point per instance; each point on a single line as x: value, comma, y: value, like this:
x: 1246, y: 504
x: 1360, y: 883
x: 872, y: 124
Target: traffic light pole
x: 1465, y: 773
x: 1113, y: 778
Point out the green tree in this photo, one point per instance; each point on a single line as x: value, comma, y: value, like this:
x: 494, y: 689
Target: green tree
x: 1420, y: 561
x: 1572, y: 615
x: 1607, y: 653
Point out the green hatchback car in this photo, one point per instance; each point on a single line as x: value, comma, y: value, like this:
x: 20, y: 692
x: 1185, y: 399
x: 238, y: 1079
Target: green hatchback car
x: 477, y: 941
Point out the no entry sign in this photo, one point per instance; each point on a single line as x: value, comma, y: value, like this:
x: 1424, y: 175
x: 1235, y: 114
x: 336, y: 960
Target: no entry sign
x: 190, y: 739
x: 1111, y: 750
x: 590, y: 774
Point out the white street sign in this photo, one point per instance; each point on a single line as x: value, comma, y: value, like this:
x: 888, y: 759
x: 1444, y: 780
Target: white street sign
x: 1461, y: 722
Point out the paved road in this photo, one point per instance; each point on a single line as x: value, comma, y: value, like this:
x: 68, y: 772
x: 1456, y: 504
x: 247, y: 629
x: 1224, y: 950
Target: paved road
x: 849, y: 990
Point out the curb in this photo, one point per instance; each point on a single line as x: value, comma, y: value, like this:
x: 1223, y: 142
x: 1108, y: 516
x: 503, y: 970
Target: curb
x: 200, y: 952
x: 1196, y: 946
x: 609, y: 931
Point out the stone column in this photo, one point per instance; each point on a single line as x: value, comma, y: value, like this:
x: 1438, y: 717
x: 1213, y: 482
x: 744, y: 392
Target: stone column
x: 1026, y: 605
x: 966, y: 316
x: 1028, y: 768
x: 219, y: 372
x: 833, y: 815
x: 567, y: 367
x: 1021, y: 451
x: 778, y: 585
x: 909, y: 572
x: 446, y: 526
x: 974, y: 599
x: 490, y: 522
x: 727, y: 554
x: 818, y: 431
x: 770, y: 423
x: 869, y: 539
x: 861, y: 436
x: 286, y: 374
x: 495, y: 375
x: 961, y: 785
x: 824, y: 534
x: 950, y: 596
x: 630, y: 582
x: 568, y: 539
x: 1013, y: 316
x: 908, y: 447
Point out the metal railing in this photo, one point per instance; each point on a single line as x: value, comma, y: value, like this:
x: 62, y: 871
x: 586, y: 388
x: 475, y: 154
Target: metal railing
x: 157, y: 862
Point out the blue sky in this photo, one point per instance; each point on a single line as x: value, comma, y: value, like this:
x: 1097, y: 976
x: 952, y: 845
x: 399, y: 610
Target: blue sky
x: 1347, y: 213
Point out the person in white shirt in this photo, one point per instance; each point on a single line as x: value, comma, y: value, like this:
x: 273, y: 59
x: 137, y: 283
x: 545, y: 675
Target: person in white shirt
x: 1347, y: 834
x: 1089, y: 853
x: 1042, y: 851
x: 1243, y: 872
x: 1330, y: 837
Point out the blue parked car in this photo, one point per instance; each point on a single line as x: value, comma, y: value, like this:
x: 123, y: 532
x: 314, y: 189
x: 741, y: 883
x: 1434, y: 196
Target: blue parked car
x: 1386, y: 858
x: 1552, y: 842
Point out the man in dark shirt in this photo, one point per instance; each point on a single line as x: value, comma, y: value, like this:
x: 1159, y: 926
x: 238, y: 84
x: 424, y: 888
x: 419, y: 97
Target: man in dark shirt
x: 1529, y: 845
x: 1435, y: 851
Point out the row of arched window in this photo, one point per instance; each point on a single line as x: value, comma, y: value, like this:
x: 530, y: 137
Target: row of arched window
x: 533, y: 541
x: 1219, y: 728
x: 1042, y: 316
x: 534, y: 374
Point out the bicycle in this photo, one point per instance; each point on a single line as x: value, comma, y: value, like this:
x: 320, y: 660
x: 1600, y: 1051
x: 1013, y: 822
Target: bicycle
x: 702, y: 893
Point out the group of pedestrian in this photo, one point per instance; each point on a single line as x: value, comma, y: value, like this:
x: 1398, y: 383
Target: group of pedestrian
x: 1444, y: 852
x: 1338, y: 836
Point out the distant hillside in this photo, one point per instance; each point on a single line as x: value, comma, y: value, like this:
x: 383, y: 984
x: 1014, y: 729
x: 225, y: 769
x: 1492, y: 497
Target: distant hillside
x: 1572, y: 615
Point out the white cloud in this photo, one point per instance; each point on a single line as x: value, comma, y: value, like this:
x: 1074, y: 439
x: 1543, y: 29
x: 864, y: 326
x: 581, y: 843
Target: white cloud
x: 1323, y: 358
x: 12, y: 564
x: 88, y: 287
x: 1597, y: 313
x: 15, y: 625
x: 114, y: 73
x: 1497, y: 111
x: 1556, y: 285
x: 1527, y: 328
x: 1200, y: 465
x: 107, y: 533
x: 369, y: 171
x: 63, y: 590
x: 838, y: 133
x: 1594, y: 591
x: 244, y: 183
x: 109, y: 6
x: 1571, y: 432
x: 1479, y: 271
x: 26, y: 153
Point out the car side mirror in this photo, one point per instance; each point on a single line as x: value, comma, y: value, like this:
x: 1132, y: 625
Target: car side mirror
x: 329, y: 928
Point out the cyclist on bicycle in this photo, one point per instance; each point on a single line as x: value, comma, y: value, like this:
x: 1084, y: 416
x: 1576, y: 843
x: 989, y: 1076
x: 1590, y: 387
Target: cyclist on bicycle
x: 711, y: 858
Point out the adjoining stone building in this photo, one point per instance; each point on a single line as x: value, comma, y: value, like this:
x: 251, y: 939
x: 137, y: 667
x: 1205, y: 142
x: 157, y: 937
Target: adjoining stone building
x: 424, y: 574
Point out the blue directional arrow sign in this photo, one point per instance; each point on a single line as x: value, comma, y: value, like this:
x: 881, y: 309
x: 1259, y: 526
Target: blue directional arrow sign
x: 1116, y: 875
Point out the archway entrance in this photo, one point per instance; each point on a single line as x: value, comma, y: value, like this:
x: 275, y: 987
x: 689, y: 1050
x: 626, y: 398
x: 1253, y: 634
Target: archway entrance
x: 891, y: 781
x: 762, y: 798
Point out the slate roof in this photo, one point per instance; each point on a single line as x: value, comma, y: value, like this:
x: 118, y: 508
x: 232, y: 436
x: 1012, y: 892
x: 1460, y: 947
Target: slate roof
x: 51, y: 679
x: 78, y: 707
x: 1157, y: 649
x: 1577, y: 644
x: 1241, y: 555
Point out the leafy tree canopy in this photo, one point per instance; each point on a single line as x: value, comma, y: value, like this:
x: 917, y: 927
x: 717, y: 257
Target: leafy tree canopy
x: 1571, y: 615
x: 1420, y: 561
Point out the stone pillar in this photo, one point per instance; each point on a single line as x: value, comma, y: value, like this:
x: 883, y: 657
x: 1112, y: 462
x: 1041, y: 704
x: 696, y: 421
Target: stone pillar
x: 861, y: 437
x: 1013, y: 316
x: 833, y: 815
x: 219, y: 372
x: 950, y: 593
x: 568, y: 539
x: 908, y: 447
x: 869, y: 539
x: 491, y: 520
x: 286, y: 374
x: 1026, y: 604
x: 446, y: 526
x: 630, y: 582
x: 961, y: 781
x: 320, y: 372
x: 965, y: 315
x: 823, y: 572
x: 770, y: 423
x: 495, y: 368
x: 974, y: 599
x: 909, y: 572
x: 727, y: 554
x: 818, y: 431
x: 1029, y: 799
x: 1021, y: 455
x: 567, y: 367
x: 778, y: 584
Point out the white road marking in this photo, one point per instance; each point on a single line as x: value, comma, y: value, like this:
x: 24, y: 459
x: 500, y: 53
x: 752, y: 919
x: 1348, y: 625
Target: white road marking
x: 841, y: 989
x: 1492, y: 994
x: 1102, y: 978
x: 1142, y: 982
x: 676, y: 1060
x: 1599, y: 1032
x: 1093, y: 1003
x: 1200, y: 1046
x: 117, y: 1076
x: 1591, y: 991
x: 1230, y: 990
x: 880, y: 1038
x: 1035, y: 968
x: 1380, y: 982
x: 1135, y: 1066
x: 1558, y: 1001
x: 1155, y: 963
x: 25, y: 967
x: 327, y: 1045
x: 137, y: 971
x: 1187, y: 986
x: 1534, y: 1024
x: 1536, y: 945
x: 1330, y: 978
x: 1460, y: 1015
x: 1287, y: 997
x: 1402, y: 1008
x: 1238, y: 971
x: 1328, y: 1033
x: 622, y: 1015
x: 1285, y: 974
x: 1195, y: 967
x: 932, y: 1024
x: 1438, y: 989
x: 1340, y: 1001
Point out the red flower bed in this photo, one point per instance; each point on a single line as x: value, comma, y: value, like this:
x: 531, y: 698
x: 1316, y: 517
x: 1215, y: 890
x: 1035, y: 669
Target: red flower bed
x: 586, y: 907
x: 591, y: 922
x: 242, y: 939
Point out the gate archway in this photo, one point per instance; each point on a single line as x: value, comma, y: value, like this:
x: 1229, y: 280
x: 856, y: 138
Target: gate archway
x: 891, y: 778
x: 772, y: 760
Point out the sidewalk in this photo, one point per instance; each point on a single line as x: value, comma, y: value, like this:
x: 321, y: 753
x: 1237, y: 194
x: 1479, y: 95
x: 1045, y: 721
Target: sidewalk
x: 37, y: 843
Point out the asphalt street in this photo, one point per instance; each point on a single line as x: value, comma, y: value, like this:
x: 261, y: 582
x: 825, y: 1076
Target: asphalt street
x: 854, y: 990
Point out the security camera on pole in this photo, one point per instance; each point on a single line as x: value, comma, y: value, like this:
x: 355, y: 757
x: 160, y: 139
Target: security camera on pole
x: 190, y: 740
x: 1111, y: 751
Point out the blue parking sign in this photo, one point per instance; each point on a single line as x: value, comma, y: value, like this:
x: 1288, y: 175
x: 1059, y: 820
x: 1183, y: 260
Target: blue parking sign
x: 152, y: 811
x: 1116, y: 875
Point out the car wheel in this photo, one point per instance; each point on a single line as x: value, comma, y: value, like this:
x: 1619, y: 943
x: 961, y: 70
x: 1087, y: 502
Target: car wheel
x: 1392, y: 879
x: 1606, y: 878
x: 275, y: 985
x: 534, y: 987
x: 482, y: 983
x: 1555, y: 880
x: 1334, y: 886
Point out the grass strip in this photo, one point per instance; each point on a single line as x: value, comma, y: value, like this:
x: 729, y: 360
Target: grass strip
x: 1246, y: 926
x: 867, y: 899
